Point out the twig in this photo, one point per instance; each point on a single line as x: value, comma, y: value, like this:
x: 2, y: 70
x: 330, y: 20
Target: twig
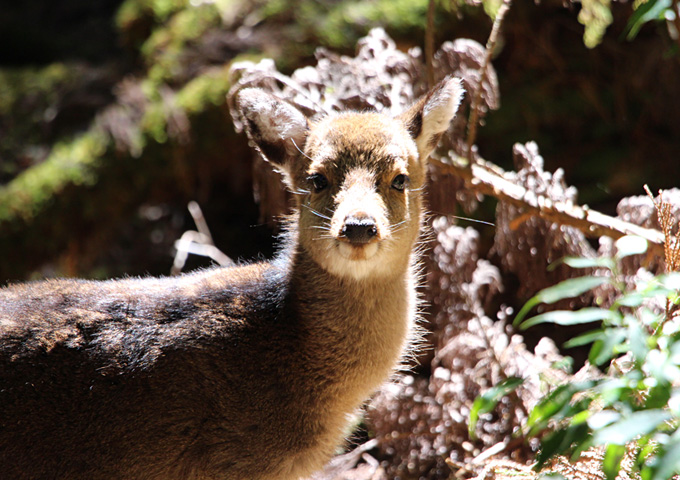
x: 341, y: 463
x: 429, y: 44
x: 488, y: 179
x: 477, y: 100
x: 197, y: 243
x: 199, y: 220
x: 500, y: 447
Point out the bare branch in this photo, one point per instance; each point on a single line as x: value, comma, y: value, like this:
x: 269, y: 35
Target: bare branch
x: 488, y: 179
x: 429, y: 44
x: 197, y: 243
x: 476, y: 101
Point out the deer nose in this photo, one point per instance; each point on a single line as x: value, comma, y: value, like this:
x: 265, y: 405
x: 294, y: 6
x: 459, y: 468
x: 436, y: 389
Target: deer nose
x: 359, y: 229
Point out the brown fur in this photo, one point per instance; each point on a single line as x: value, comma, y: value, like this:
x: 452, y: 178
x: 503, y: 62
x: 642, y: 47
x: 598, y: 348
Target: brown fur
x: 241, y: 373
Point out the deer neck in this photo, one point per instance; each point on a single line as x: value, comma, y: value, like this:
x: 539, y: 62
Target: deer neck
x: 356, y: 331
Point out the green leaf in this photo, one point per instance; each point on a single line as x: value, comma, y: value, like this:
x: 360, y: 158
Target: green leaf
x: 612, y: 390
x: 582, y: 262
x: 584, y: 339
x: 487, y: 401
x: 630, y: 245
x: 670, y: 280
x: 645, y: 12
x: 658, y: 395
x: 548, y: 407
x: 637, y: 423
x: 569, y: 317
x: 561, y: 442
x: 661, y: 366
x: 603, y: 418
x: 580, y: 417
x: 611, y: 464
x: 667, y: 463
x: 603, y: 349
x: 555, y: 404
x: 637, y: 339
x: 570, y: 288
x: 491, y: 7
x: 630, y: 299
x: 566, y: 364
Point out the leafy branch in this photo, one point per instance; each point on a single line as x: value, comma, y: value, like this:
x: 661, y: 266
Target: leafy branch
x: 633, y: 411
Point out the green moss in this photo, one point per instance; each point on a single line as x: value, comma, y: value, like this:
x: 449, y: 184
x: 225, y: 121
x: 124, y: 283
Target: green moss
x: 206, y: 90
x: 275, y: 8
x: 25, y: 96
x: 199, y: 94
x: 154, y: 123
x: 339, y: 25
x: 132, y: 11
x: 347, y: 21
x: 30, y: 100
x: 70, y: 163
x: 164, y: 49
x: 18, y: 83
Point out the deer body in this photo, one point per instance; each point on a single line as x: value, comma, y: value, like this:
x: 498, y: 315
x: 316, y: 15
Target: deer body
x: 241, y: 373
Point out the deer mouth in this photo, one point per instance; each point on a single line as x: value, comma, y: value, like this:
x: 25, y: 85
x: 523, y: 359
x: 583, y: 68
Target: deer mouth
x: 358, y: 251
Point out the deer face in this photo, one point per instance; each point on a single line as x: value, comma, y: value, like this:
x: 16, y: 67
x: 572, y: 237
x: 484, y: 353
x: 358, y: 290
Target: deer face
x: 359, y: 199
x: 357, y: 176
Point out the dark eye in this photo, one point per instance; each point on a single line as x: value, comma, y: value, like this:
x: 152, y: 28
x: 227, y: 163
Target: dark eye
x: 400, y: 182
x: 319, y: 182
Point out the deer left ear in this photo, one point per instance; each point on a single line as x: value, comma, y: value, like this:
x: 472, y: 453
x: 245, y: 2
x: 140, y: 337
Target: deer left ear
x: 278, y: 130
x: 430, y: 116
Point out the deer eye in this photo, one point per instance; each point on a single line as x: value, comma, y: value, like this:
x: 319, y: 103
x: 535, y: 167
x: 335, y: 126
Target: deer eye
x: 400, y: 182
x: 319, y: 182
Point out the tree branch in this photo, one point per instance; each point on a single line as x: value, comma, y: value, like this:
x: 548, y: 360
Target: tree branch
x: 489, y: 179
x: 429, y: 44
x: 477, y: 100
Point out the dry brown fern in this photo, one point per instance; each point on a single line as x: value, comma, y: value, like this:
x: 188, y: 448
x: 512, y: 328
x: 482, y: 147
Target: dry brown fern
x: 671, y: 231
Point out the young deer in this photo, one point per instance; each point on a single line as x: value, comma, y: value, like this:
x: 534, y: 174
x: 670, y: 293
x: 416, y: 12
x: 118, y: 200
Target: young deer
x: 241, y: 373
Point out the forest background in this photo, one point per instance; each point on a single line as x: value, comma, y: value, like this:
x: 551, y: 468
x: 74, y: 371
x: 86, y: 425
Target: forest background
x: 114, y: 117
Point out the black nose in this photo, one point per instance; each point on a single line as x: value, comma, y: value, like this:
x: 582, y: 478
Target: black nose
x: 359, y: 230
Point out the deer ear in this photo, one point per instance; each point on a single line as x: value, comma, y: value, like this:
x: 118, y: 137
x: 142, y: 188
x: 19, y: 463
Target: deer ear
x: 277, y: 129
x: 430, y: 116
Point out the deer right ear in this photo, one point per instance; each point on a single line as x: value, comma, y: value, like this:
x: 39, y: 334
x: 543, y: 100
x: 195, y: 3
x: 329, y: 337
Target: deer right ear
x: 277, y: 129
x: 430, y: 116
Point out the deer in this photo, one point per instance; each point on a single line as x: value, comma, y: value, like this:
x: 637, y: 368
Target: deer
x: 250, y: 372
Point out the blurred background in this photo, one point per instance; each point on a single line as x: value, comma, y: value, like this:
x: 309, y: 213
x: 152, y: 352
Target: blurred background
x: 113, y: 114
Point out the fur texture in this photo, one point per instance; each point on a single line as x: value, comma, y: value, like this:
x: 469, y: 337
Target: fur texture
x: 241, y: 373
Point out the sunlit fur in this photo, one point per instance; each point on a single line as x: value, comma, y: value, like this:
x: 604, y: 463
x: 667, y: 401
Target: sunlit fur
x: 360, y: 154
